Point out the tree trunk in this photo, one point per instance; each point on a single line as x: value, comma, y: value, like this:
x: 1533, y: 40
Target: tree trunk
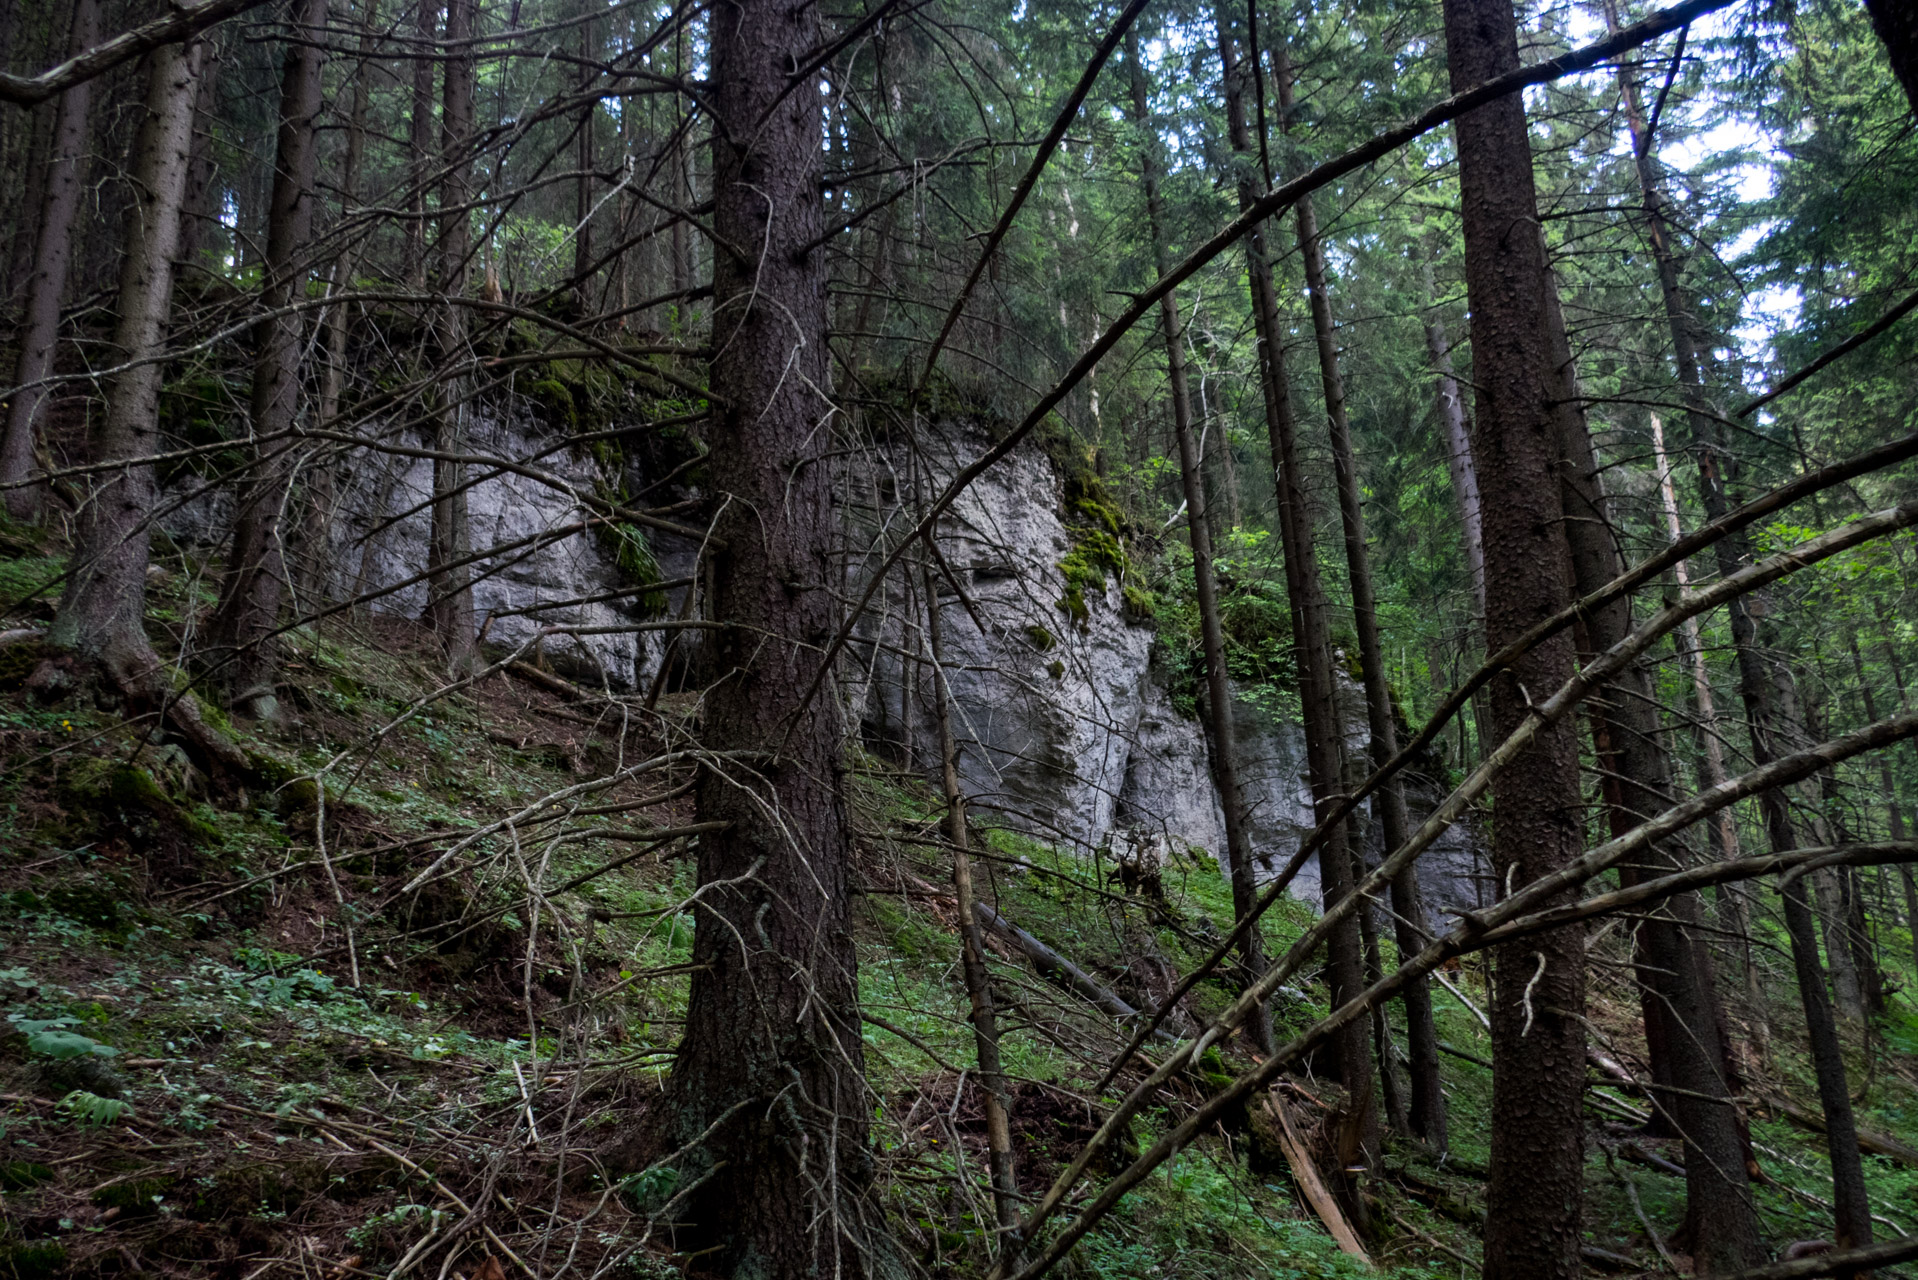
x: 449, y: 605
x: 1896, y: 22
x: 420, y: 149
x: 1538, y: 1035
x: 1427, y: 1111
x: 1221, y: 745
x: 1894, y: 810
x: 319, y: 575
x: 583, y: 184
x: 972, y: 948
x: 65, y: 178
x: 240, y: 633
x: 1724, y: 828
x: 1458, y: 445
x: 202, y: 209
x: 1771, y: 706
x: 772, y: 1061
x: 102, y: 615
x: 1678, y: 995
x: 1345, y: 967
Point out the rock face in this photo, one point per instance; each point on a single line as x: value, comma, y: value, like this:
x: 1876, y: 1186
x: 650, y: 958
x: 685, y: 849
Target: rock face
x: 1064, y: 727
x: 379, y: 522
x: 1045, y: 708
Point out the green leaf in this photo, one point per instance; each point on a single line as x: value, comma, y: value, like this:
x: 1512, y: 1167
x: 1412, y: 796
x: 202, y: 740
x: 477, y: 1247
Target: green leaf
x: 62, y: 1045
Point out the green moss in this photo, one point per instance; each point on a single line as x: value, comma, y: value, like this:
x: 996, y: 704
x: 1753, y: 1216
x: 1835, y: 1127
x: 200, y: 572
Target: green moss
x: 19, y: 1175
x: 1096, y: 555
x: 625, y: 545
x: 30, y: 576
x: 135, y: 1195
x: 555, y: 400
x: 106, y: 789
x: 1140, y: 605
x: 1056, y: 669
x: 1042, y: 640
x: 32, y: 1259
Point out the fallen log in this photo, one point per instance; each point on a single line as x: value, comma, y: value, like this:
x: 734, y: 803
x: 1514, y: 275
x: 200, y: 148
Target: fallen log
x: 1869, y: 1142
x: 1051, y: 964
x: 1310, y: 1185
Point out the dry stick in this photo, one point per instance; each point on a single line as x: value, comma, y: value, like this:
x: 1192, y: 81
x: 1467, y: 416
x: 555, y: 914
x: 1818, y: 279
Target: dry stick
x: 1844, y: 1262
x: 1273, y: 201
x: 1518, y: 915
x: 1543, y: 714
x: 1027, y: 183
x: 1644, y: 571
x: 181, y: 24
x: 1898, y: 312
x: 1794, y: 861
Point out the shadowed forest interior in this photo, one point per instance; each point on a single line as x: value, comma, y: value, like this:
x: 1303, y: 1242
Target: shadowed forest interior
x: 912, y: 638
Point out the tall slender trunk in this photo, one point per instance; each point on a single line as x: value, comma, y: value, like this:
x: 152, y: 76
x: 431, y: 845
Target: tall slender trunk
x: 1538, y: 1033
x: 1458, y: 444
x: 65, y: 177
x: 319, y: 576
x: 1894, y: 809
x: 420, y: 148
x: 1771, y: 705
x: 583, y: 184
x: 1723, y: 830
x: 984, y: 1013
x: 1678, y: 992
x: 1221, y: 743
x: 1345, y: 966
x: 1464, y: 474
x: 201, y: 214
x: 102, y: 615
x: 449, y: 607
x: 239, y: 635
x: 769, y: 1083
x: 1427, y: 1112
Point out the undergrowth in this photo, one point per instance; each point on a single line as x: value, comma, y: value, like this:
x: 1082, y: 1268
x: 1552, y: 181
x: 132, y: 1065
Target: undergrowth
x: 231, y: 1054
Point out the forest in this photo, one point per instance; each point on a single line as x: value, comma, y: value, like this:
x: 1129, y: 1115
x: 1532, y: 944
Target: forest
x: 1080, y: 638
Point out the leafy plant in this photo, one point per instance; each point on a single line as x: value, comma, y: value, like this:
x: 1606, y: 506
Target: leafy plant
x: 53, y: 1038
x: 91, y: 1111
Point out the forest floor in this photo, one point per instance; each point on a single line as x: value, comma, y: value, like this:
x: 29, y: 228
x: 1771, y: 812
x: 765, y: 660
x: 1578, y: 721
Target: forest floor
x: 235, y: 1052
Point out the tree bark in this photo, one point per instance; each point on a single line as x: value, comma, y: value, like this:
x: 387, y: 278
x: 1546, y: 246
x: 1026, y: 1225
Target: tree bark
x: 65, y: 178
x: 102, y: 613
x: 420, y: 149
x: 772, y: 1061
x: 1896, y: 22
x: 1674, y: 970
x: 202, y: 212
x: 984, y: 1014
x: 1771, y: 705
x: 1427, y: 1103
x: 240, y: 632
x: 449, y: 606
x: 319, y: 575
x: 1345, y: 965
x: 1538, y: 1036
x: 1458, y: 444
x: 101, y: 619
x: 1723, y: 831
x: 1221, y: 743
